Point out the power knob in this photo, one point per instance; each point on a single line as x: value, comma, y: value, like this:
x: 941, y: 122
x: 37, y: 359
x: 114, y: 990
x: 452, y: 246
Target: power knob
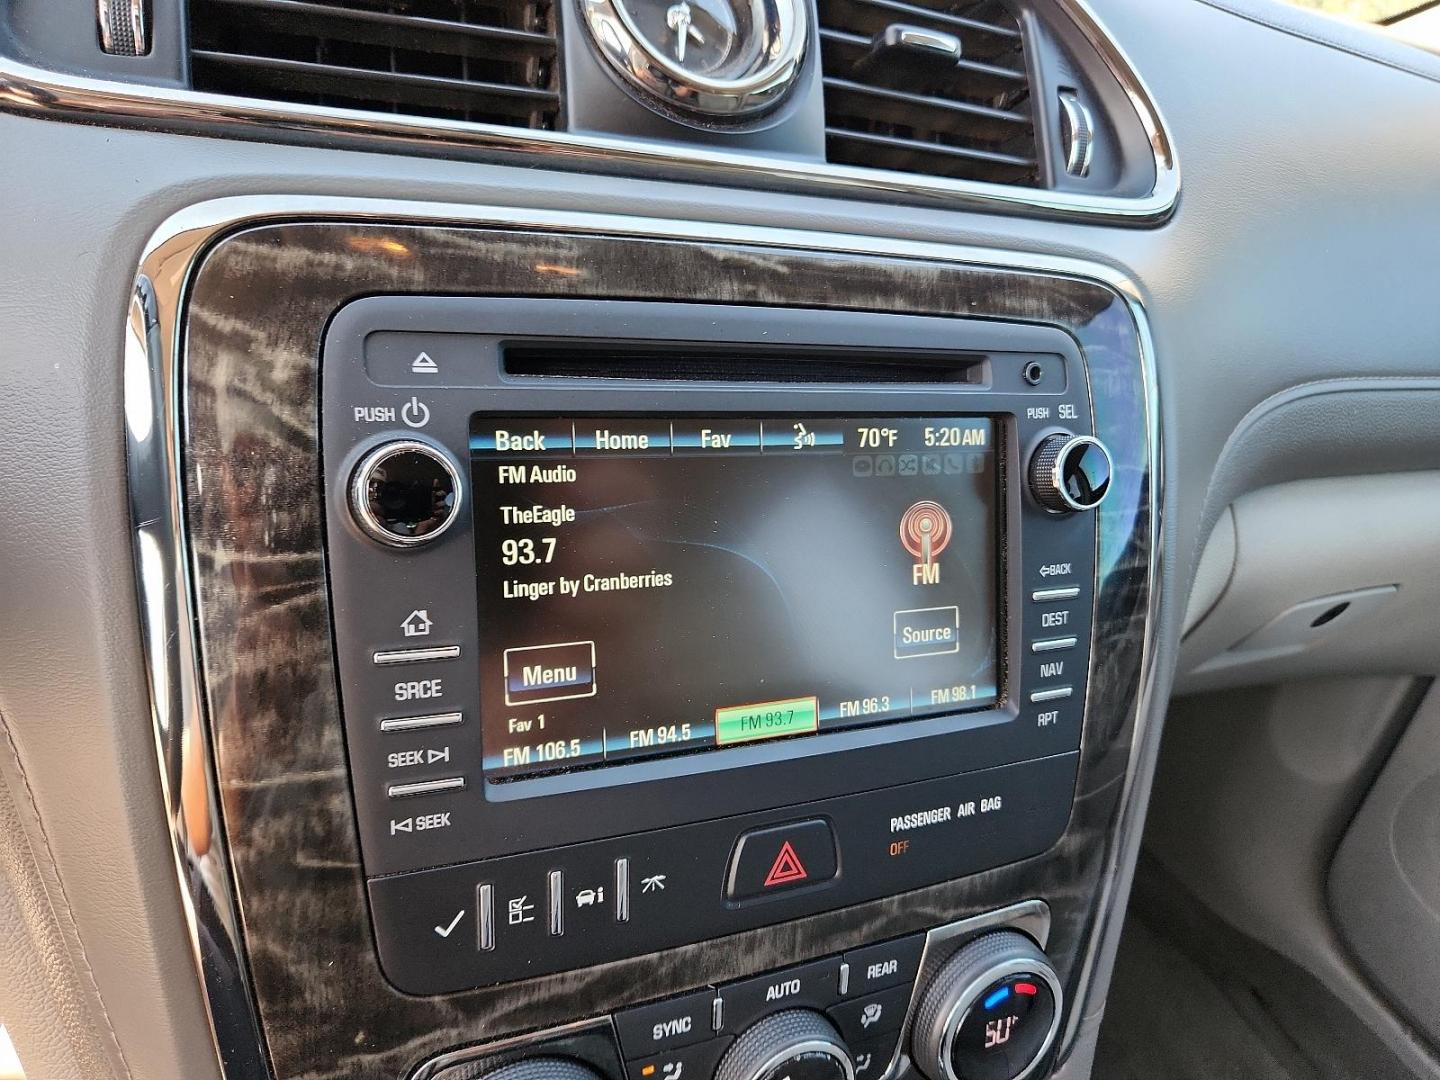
x: 405, y: 493
x: 1070, y: 472
x: 990, y: 1013
x: 797, y: 1044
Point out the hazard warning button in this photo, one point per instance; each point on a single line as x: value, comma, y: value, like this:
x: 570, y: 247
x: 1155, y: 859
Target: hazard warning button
x: 781, y: 858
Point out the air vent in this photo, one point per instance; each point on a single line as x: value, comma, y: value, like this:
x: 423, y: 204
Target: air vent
x: 488, y: 61
x: 935, y: 88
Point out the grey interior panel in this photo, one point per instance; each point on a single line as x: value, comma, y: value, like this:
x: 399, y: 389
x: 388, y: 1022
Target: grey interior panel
x: 1309, y: 593
x: 1385, y: 882
x: 1255, y: 790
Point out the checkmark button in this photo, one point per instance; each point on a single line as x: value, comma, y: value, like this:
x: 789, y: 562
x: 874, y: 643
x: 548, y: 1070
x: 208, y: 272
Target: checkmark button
x: 445, y: 931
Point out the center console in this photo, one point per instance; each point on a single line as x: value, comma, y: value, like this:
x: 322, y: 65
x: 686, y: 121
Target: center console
x: 638, y: 648
x: 637, y: 656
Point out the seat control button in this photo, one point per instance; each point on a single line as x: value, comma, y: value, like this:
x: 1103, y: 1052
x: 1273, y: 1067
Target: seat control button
x: 891, y: 963
x: 666, y: 1025
x: 780, y: 858
x: 698, y: 1060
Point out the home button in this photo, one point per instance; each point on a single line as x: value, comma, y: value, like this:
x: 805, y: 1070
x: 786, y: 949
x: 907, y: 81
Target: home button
x: 781, y: 858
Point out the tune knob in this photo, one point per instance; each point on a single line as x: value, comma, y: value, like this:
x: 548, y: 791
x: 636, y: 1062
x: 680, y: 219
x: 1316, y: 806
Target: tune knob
x: 405, y: 493
x: 540, y: 1068
x: 797, y: 1043
x: 1070, y: 472
x: 990, y: 1013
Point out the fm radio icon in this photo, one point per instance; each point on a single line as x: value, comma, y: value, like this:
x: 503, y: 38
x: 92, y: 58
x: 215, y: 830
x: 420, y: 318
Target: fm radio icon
x: 925, y: 531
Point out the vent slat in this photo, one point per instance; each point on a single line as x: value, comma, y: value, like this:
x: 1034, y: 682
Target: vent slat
x: 846, y: 98
x: 1009, y: 76
x: 492, y: 61
x: 888, y: 11
x: 913, y: 146
x: 385, y: 28
x: 892, y: 105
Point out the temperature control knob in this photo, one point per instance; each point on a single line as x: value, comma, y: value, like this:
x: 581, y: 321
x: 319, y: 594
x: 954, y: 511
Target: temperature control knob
x: 990, y: 1013
x: 405, y: 493
x: 1070, y: 472
x: 797, y: 1043
x: 540, y: 1068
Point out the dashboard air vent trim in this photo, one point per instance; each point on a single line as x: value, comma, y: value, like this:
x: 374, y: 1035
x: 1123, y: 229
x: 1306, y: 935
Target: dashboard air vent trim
x: 485, y: 61
x: 33, y: 91
x: 928, y: 90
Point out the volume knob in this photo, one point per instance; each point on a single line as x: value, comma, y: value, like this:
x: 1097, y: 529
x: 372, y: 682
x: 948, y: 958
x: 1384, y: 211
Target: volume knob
x: 405, y: 493
x: 1070, y: 472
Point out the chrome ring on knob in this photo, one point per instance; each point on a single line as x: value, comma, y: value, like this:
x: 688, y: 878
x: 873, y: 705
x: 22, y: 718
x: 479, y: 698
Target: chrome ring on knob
x: 360, y: 482
x: 959, y: 986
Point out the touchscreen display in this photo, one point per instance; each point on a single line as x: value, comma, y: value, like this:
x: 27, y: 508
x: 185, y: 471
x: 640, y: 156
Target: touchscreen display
x: 668, y: 585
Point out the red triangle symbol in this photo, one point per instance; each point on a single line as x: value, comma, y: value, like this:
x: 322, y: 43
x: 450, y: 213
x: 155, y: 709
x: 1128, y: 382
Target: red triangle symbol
x: 787, y: 868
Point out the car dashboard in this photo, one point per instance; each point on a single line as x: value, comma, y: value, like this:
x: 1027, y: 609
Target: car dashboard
x: 615, y: 540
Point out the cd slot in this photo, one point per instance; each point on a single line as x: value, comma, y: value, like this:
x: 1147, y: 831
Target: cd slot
x: 701, y: 364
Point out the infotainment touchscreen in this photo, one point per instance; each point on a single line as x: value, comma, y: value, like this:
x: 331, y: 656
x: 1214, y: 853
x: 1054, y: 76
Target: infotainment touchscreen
x: 665, y: 585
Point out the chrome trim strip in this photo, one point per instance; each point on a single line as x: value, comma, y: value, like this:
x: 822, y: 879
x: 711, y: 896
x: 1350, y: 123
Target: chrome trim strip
x: 36, y: 91
x: 414, y: 723
x: 485, y: 917
x: 622, y: 890
x: 1058, y: 693
x: 425, y: 787
x: 1047, y: 596
x: 556, y: 892
x: 170, y: 649
x: 386, y: 657
x: 153, y: 412
x: 1054, y: 644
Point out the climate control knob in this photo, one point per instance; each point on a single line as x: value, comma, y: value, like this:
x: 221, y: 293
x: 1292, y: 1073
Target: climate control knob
x: 540, y: 1068
x: 990, y: 1013
x: 1070, y: 472
x: 797, y: 1043
x: 405, y: 493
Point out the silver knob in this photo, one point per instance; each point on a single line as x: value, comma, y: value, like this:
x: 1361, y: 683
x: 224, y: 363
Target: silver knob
x: 405, y: 493
x: 1070, y: 473
x: 796, y: 1042
x: 541, y: 1068
x: 990, y: 1013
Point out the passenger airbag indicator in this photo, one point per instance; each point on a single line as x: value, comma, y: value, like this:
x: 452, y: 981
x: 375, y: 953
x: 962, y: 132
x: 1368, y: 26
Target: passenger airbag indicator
x: 767, y: 720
